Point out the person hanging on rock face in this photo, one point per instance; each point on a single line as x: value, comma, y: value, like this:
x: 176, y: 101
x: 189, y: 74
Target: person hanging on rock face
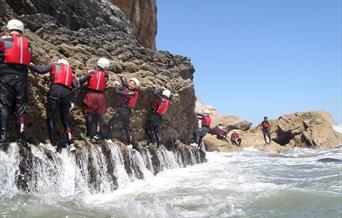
x: 128, y: 93
x: 15, y: 57
x: 159, y: 108
x: 95, y: 100
x: 204, y: 126
x: 265, y: 127
x: 221, y: 133
x: 235, y: 138
x: 63, y: 90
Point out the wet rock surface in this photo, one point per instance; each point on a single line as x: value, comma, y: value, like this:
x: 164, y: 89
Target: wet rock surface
x: 83, y: 31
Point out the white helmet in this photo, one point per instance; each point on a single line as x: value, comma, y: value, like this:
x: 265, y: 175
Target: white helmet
x: 136, y: 81
x: 207, y: 112
x: 63, y: 61
x: 167, y: 93
x: 15, y: 25
x: 103, y: 63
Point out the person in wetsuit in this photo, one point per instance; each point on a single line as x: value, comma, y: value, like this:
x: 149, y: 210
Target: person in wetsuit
x: 94, y: 100
x: 63, y: 90
x: 15, y: 57
x: 155, y: 119
x: 128, y: 96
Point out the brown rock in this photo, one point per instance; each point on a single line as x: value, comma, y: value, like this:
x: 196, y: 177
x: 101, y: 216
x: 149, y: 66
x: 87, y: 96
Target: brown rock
x: 143, y: 17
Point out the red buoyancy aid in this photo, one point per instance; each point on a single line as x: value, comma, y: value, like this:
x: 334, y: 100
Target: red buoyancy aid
x: 235, y: 136
x: 97, y: 81
x: 19, y: 52
x: 62, y: 74
x: 206, y: 121
x: 133, y: 99
x: 161, y: 106
x: 265, y: 125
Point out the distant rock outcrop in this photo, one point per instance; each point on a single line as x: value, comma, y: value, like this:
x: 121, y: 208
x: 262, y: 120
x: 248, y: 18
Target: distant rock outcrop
x: 306, y: 129
x: 303, y: 129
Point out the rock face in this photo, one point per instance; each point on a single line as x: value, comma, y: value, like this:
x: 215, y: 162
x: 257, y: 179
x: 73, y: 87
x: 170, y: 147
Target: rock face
x: 143, y: 16
x: 82, y: 31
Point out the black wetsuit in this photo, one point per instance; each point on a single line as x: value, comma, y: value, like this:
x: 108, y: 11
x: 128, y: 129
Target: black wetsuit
x: 154, y: 121
x: 59, y: 101
x: 202, y: 131
x: 13, y: 93
x: 124, y: 112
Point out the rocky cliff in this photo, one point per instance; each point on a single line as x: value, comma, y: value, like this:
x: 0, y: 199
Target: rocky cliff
x: 143, y: 17
x: 82, y: 31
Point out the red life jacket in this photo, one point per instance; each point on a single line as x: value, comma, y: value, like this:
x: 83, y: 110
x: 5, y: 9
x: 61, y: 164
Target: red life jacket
x: 206, y: 120
x: 133, y: 100
x: 161, y: 106
x: 62, y: 74
x: 97, y: 81
x: 265, y: 125
x: 19, y: 52
x: 235, y: 136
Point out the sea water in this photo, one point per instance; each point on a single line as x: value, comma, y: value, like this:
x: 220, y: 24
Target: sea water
x: 250, y: 183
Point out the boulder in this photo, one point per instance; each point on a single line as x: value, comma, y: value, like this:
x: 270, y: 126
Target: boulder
x: 309, y: 129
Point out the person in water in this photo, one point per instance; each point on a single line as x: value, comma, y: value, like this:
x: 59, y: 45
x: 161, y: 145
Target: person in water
x: 160, y: 107
x: 94, y: 100
x: 128, y: 96
x: 15, y: 57
x: 265, y: 127
x: 63, y: 90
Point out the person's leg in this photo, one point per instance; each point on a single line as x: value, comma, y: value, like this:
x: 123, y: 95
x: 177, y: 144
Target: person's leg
x: 52, y: 110
x: 91, y: 124
x: 64, y: 108
x: 269, y: 136
x: 112, y: 122
x: 126, y: 123
x: 264, y: 133
x: 149, y: 129
x: 20, y: 107
x: 7, y: 96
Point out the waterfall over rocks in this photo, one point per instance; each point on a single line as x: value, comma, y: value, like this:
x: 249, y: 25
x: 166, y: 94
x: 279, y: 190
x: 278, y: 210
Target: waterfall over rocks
x: 94, y: 168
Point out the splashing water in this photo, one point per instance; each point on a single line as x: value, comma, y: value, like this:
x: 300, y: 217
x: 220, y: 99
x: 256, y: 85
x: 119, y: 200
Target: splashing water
x: 251, y: 183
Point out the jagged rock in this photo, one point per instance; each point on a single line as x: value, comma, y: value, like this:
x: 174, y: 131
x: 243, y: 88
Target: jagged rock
x: 143, y: 16
x: 83, y: 31
x: 310, y: 129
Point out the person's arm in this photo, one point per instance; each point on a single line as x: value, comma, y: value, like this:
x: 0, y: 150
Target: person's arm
x: 86, y: 77
x: 156, y: 93
x: 119, y: 91
x: 74, y: 87
x: 39, y: 70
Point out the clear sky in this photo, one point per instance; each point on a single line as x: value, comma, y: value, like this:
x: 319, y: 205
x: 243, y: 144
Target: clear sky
x: 259, y: 57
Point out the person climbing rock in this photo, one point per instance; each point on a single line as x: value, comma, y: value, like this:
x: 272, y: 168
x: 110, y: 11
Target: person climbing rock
x: 15, y: 57
x: 160, y: 107
x: 128, y: 96
x: 94, y: 100
x: 203, y: 128
x: 221, y: 133
x: 235, y: 138
x: 266, y: 130
x: 63, y: 91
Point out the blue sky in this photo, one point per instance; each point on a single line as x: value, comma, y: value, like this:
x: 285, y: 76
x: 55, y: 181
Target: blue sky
x: 259, y: 57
